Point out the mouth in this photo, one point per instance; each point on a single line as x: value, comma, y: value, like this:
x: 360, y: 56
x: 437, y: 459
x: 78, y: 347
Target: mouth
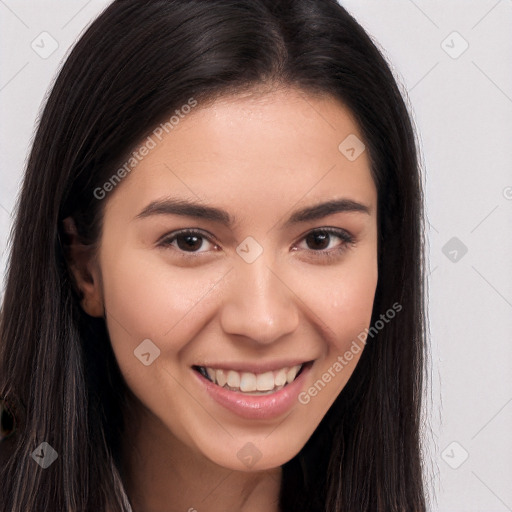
x: 250, y: 383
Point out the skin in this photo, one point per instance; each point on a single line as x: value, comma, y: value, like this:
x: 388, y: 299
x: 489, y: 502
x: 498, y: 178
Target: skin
x: 259, y: 156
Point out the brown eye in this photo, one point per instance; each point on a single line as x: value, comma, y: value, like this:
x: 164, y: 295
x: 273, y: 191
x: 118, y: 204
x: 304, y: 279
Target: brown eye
x: 327, y: 243
x: 318, y: 240
x: 188, y: 241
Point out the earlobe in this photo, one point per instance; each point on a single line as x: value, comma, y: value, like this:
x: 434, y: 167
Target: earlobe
x: 93, y: 306
x: 84, y: 270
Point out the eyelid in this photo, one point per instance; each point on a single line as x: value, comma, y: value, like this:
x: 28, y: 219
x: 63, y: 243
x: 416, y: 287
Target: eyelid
x: 166, y: 240
x: 348, y: 241
x: 331, y: 230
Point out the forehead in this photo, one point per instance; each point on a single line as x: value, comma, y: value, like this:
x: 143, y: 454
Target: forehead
x: 253, y: 148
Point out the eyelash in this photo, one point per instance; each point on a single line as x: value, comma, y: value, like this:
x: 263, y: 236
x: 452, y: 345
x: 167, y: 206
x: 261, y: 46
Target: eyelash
x: 328, y: 255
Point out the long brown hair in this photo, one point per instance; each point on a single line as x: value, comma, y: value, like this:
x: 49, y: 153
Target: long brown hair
x: 136, y: 63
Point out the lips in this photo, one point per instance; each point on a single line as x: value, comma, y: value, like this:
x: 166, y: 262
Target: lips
x: 253, y: 405
x: 249, y: 382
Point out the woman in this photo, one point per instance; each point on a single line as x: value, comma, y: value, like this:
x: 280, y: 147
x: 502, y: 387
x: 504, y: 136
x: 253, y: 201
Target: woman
x: 215, y: 293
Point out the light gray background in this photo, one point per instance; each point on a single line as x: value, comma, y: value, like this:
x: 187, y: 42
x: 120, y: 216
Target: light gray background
x: 462, y: 106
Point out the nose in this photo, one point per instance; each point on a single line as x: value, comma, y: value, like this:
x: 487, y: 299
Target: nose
x: 258, y: 303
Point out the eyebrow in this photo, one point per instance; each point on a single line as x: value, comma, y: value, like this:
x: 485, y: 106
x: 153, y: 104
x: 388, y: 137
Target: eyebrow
x: 188, y: 208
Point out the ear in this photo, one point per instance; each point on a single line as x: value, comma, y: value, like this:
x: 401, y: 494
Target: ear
x: 84, y: 269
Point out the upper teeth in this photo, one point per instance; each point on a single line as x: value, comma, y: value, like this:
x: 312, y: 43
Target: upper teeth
x: 248, y: 381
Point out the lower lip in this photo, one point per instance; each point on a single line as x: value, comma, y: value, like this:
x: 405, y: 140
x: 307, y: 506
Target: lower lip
x: 254, y: 407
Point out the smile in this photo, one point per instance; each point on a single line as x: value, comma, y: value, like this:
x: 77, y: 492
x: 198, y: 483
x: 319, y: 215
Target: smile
x: 266, y: 393
x: 251, y: 383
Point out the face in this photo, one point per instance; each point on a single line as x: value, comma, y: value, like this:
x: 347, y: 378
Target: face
x: 237, y: 265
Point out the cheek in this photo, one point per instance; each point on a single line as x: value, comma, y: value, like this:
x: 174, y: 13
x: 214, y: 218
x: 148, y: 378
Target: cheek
x: 344, y: 304
x: 146, y: 298
x: 350, y: 307
x: 343, y: 299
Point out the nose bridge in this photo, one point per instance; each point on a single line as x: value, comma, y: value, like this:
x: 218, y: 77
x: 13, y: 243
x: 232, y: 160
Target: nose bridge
x: 257, y: 304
